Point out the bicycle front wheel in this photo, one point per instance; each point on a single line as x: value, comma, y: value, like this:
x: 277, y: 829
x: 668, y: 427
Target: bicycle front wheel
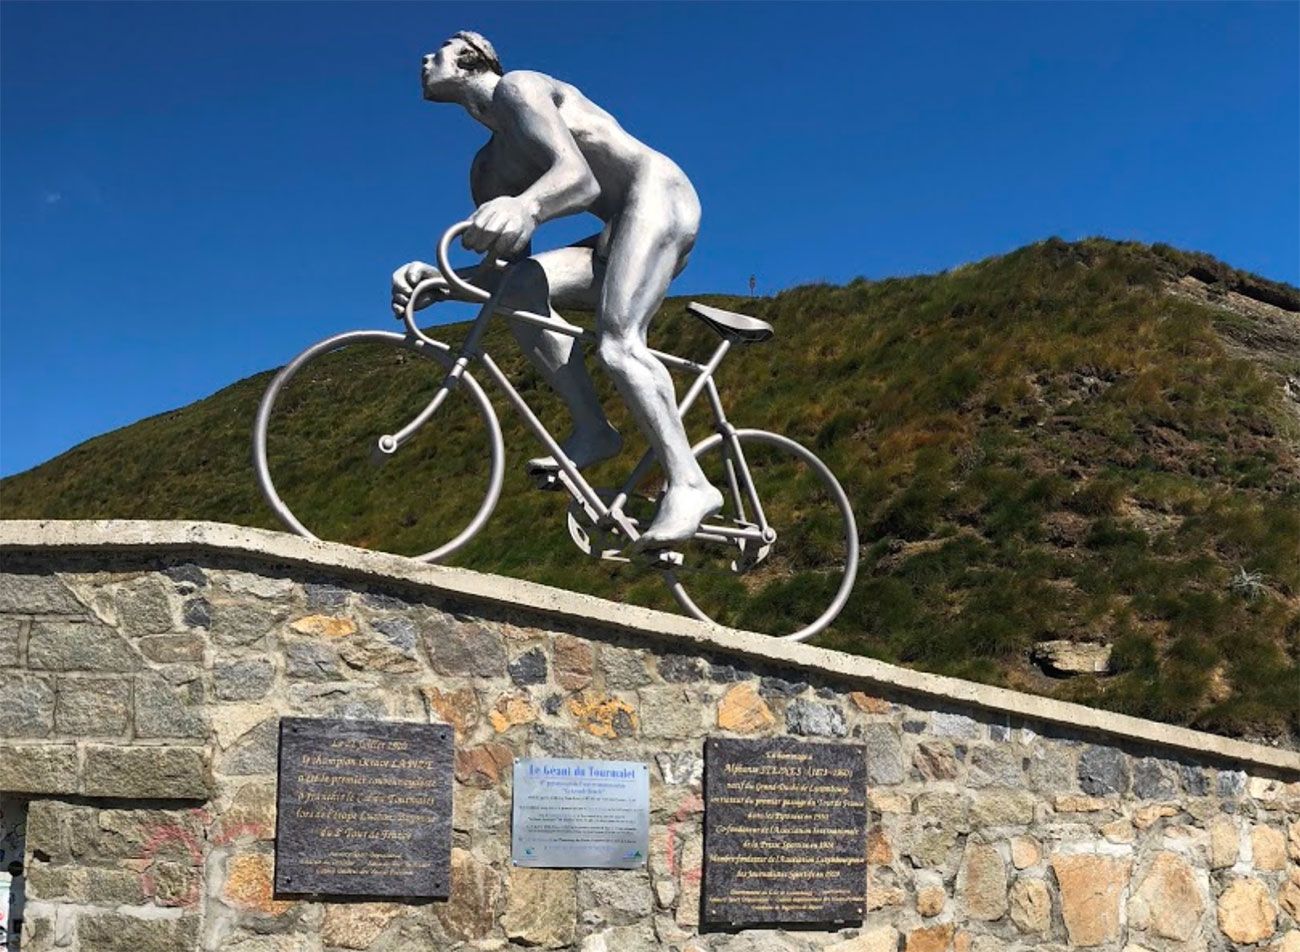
x: 794, y: 586
x: 325, y: 470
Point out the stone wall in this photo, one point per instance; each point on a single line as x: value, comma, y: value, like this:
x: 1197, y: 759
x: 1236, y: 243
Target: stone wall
x: 142, y: 691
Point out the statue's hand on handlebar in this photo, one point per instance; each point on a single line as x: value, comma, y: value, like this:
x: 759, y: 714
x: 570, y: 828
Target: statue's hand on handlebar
x: 500, y: 228
x: 408, y: 276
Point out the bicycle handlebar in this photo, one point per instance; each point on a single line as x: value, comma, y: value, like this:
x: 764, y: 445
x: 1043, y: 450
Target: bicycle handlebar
x: 448, y: 272
x: 472, y: 292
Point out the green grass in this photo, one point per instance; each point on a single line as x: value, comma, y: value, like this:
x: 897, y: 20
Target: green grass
x: 1039, y: 445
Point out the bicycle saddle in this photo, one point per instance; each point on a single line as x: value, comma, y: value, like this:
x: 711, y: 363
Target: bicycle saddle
x: 737, y: 328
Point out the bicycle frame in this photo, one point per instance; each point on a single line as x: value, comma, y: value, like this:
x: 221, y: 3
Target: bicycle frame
x: 739, y: 480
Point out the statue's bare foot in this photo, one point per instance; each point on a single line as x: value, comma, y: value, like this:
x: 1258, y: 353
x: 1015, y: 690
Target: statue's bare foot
x: 681, y: 510
x: 585, y: 447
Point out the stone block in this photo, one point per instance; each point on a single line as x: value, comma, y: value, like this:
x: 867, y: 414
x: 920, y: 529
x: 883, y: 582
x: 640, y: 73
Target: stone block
x: 884, y: 754
x: 484, y: 765
x: 744, y: 711
x: 873, y: 939
x: 683, y: 767
x: 23, y: 593
x: 39, y: 768
x: 310, y: 661
x: 1154, y: 779
x: 944, y: 808
x: 1025, y: 852
x: 242, y: 680
x: 1246, y: 913
x: 935, y: 760
x: 621, y: 895
x: 144, y: 606
x: 459, y: 708
x: 249, y: 885
x: 162, y: 711
x: 463, y: 648
x: 528, y: 668
x: 93, y: 707
x: 1268, y: 848
x: 26, y: 705
x: 196, y: 613
x: 512, y: 710
x: 114, y: 932
x: 774, y: 687
x: 623, y: 667
x: 78, y: 646
x: 399, y: 632
x: 85, y: 884
x: 250, y: 815
x: 672, y: 712
x: 680, y: 669
x: 993, y: 808
x: 994, y: 767
x: 1090, y: 887
x: 1225, y: 842
x: 930, y: 939
x: 237, y: 624
x: 356, y: 925
x: 574, y: 662
x: 982, y: 882
x: 324, y: 626
x: 1050, y: 768
x: 173, y: 884
x: 814, y: 719
x: 146, y: 772
x: 944, y: 724
x: 256, y: 752
x: 10, y: 628
x: 257, y: 584
x: 323, y: 596
x: 186, y: 576
x: 470, y: 912
x: 1030, y: 905
x: 379, y: 650
x: 1167, y: 901
x: 170, y: 649
x: 1104, y: 770
x: 541, y: 907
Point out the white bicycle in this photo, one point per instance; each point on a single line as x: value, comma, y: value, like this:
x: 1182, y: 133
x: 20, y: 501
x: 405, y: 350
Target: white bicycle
x: 786, y: 526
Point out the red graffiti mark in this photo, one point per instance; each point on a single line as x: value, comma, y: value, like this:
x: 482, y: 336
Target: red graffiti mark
x: 234, y: 831
x: 691, y: 805
x: 165, y: 834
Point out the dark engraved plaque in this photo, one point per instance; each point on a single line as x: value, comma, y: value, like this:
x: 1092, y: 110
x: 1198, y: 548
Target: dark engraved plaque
x: 785, y: 832
x: 363, y: 808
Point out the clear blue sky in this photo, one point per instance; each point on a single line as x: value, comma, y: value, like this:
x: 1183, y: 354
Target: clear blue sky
x: 192, y: 192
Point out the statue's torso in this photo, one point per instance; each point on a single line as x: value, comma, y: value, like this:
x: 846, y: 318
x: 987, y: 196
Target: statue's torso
x: 617, y: 159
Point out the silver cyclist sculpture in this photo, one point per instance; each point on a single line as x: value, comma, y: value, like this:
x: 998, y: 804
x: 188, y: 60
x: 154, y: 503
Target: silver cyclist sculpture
x: 553, y: 152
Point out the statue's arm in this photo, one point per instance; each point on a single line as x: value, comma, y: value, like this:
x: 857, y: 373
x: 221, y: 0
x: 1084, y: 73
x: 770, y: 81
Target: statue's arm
x: 532, y: 122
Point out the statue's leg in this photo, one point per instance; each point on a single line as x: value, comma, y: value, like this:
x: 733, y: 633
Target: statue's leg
x: 651, y: 240
x: 567, y: 276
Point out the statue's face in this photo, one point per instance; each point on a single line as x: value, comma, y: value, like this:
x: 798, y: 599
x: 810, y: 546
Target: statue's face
x: 440, y: 71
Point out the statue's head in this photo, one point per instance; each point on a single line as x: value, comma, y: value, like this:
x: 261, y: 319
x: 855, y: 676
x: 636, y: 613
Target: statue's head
x: 461, y: 58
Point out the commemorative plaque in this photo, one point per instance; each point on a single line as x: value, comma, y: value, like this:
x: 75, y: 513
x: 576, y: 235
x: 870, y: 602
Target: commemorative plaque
x: 580, y: 813
x: 785, y: 832
x: 363, y: 809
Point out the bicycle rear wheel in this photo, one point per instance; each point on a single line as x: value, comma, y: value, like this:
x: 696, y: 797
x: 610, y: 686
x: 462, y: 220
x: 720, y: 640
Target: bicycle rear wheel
x: 327, y: 476
x: 796, y: 586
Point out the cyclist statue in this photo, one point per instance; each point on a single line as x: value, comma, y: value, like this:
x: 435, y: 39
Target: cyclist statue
x: 554, y: 152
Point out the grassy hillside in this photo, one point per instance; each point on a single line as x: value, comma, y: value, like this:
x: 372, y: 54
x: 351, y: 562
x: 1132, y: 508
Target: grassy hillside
x: 1092, y: 441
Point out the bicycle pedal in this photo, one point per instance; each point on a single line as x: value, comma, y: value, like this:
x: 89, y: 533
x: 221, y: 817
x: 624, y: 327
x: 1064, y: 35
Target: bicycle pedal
x: 660, y: 558
x: 547, y: 480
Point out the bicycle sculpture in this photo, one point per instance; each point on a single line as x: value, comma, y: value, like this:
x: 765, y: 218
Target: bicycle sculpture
x: 554, y: 153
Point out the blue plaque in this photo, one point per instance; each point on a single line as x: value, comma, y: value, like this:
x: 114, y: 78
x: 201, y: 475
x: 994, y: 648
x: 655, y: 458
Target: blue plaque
x: 580, y: 813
